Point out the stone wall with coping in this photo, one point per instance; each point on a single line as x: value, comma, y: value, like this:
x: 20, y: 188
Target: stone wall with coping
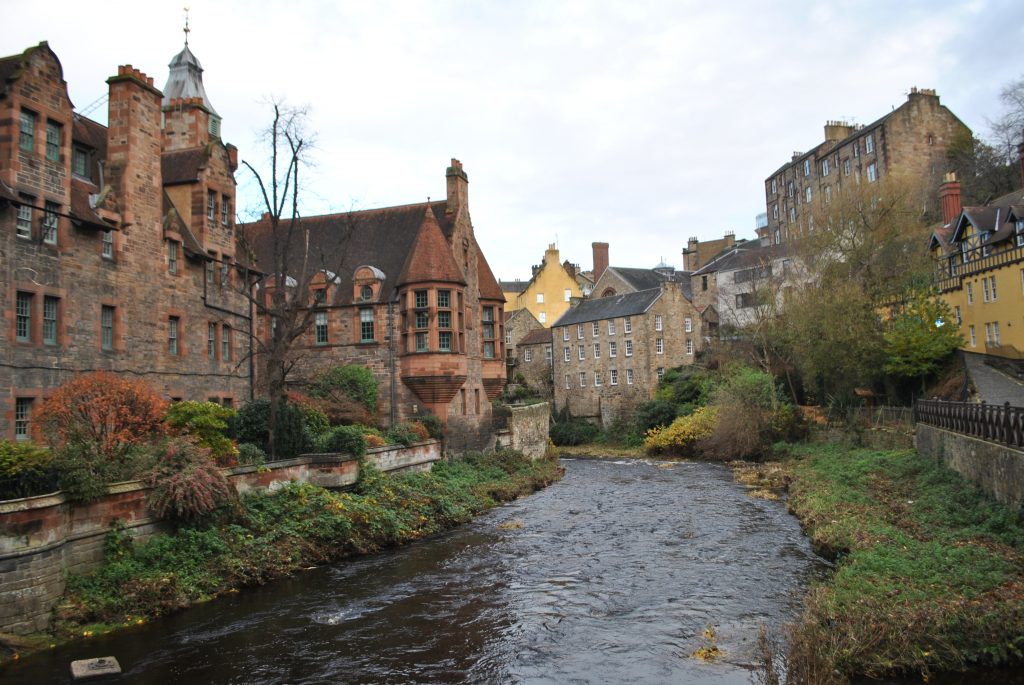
x: 43, y: 539
x: 528, y: 429
x: 997, y: 469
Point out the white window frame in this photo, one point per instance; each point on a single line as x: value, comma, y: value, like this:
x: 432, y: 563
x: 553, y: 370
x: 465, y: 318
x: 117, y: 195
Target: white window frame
x: 661, y: 373
x: 568, y: 294
x: 597, y: 379
x: 527, y: 355
x: 629, y: 376
x: 613, y: 377
x: 565, y: 333
x: 542, y: 317
x: 23, y: 223
x: 974, y: 336
x: 107, y: 250
x: 807, y: 167
x: 581, y: 352
x: 659, y: 346
x: 627, y: 324
x: 688, y: 325
x: 583, y: 379
x: 629, y: 348
x: 597, y: 350
x: 579, y: 331
x: 611, y: 326
x: 872, y: 173
x: 567, y: 355
x: 658, y: 322
x: 824, y: 167
x: 689, y: 348
x: 50, y: 223
x: 869, y: 143
x: 540, y: 298
x: 567, y: 385
x: 613, y: 349
x: 595, y: 329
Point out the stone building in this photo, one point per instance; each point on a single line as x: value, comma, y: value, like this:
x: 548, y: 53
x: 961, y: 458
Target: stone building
x: 117, y: 242
x: 534, y: 361
x: 518, y: 324
x: 406, y: 292
x: 551, y: 288
x: 979, y: 257
x: 911, y: 140
x: 745, y: 284
x: 697, y: 253
x: 610, y: 352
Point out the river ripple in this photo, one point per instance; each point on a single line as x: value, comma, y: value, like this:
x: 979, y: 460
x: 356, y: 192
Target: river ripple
x: 610, y: 576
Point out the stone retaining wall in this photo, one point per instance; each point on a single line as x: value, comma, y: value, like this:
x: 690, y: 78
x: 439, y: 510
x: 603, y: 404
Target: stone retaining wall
x: 997, y: 469
x: 44, y: 538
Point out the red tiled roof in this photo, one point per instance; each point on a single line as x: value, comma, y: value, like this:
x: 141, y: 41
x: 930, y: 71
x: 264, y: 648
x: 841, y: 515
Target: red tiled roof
x: 182, y: 166
x: 430, y: 258
x: 81, y: 207
x: 489, y: 288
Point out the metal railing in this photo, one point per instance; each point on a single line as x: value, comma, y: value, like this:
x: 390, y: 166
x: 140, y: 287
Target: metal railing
x: 1003, y: 424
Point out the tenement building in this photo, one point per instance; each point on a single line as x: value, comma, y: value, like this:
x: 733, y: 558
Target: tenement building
x: 405, y: 291
x: 550, y: 290
x: 534, y: 360
x: 117, y: 242
x: 911, y: 140
x: 609, y: 353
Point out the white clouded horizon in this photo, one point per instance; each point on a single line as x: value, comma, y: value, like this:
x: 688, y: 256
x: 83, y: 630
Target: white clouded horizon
x: 639, y: 124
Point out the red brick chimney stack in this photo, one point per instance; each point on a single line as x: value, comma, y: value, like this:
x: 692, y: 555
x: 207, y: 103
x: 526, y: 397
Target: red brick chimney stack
x: 600, y: 259
x: 133, y: 145
x: 949, y: 198
x: 458, y: 187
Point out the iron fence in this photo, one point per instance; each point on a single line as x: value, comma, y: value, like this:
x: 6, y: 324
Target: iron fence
x: 994, y: 423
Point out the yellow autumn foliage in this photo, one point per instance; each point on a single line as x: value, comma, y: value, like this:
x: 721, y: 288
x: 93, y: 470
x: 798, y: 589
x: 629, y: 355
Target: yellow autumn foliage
x: 680, y: 437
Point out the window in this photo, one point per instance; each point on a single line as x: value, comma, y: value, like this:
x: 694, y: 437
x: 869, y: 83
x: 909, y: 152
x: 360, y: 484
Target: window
x: 444, y: 319
x: 53, y: 141
x: 420, y: 299
x: 444, y: 341
x: 703, y: 283
x: 597, y: 350
x: 583, y: 379
x: 744, y: 300
x: 774, y: 187
x: 856, y: 149
x: 50, y: 309
x: 613, y: 377
x: 597, y: 379
x: 627, y: 325
x: 172, y: 257
x: 547, y: 354
x: 566, y: 355
x: 210, y: 270
x: 565, y: 333
x: 828, y: 194
x: 568, y: 294
x: 775, y: 210
x: 778, y: 240
x: 688, y: 325
x: 581, y: 352
x: 995, y: 332
x: 320, y: 327
x: 27, y: 134
x: 956, y: 313
x: 225, y: 342
x: 629, y: 376
x: 23, y: 317
x: 613, y: 349
x: 792, y: 213
x: 22, y: 417
x: 689, y: 347
x: 50, y: 223
x: 23, y: 224
x: 629, y: 348
x: 869, y: 144
x: 540, y: 298
x: 579, y: 331
x: 659, y: 346
x: 422, y: 319
x: 566, y: 381
x: 79, y: 162
x: 611, y: 326
x: 444, y: 299
x: 488, y: 326
x: 107, y: 327
x: 211, y: 204
x: 595, y: 328
x: 992, y: 280
x: 211, y: 340
x: 984, y: 294
x: 542, y: 317
x: 528, y: 355
x: 508, y: 338
x: 172, y: 335
x: 225, y: 270
x: 846, y: 167
x: 807, y: 194
x: 657, y: 322
x: 108, y: 244
x: 791, y: 189
x: 807, y: 167
x: 224, y: 203
x: 974, y: 337
x: 824, y: 167
x: 661, y: 374
x: 421, y: 342
x: 988, y: 334
x: 970, y: 293
x: 872, y: 173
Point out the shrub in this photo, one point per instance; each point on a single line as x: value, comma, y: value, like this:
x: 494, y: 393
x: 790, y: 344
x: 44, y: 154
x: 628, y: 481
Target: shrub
x: 84, y: 478
x: 343, y: 440
x: 435, y: 429
x: 408, y: 433
x: 342, y: 385
x: 26, y: 470
x: 681, y: 438
x: 754, y: 414
x: 186, y: 484
x: 655, y: 414
x: 570, y: 431
x: 251, y: 455
x: 252, y: 424
x: 104, y: 414
x: 208, y: 424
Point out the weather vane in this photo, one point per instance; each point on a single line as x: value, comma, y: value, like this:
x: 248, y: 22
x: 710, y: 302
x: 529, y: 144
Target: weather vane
x: 187, y: 29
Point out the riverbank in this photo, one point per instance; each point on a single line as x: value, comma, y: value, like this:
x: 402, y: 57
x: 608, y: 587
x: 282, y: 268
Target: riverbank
x: 270, y: 536
x: 929, y: 575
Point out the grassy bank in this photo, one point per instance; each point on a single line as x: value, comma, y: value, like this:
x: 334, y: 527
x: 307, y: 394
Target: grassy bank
x: 929, y: 572
x: 272, y: 535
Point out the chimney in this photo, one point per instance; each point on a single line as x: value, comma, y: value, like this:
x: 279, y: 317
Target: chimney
x: 458, y: 186
x: 837, y: 130
x: 730, y: 238
x: 133, y: 146
x: 949, y: 198
x: 600, y: 259
x: 232, y: 156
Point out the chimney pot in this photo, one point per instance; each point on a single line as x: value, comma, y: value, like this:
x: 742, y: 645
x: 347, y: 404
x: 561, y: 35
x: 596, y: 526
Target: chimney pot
x: 600, y: 252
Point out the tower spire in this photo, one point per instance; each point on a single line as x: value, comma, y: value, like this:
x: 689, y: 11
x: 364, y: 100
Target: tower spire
x: 187, y: 29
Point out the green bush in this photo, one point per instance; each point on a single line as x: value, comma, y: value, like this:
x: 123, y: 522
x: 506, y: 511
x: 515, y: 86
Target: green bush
x: 84, y: 478
x: 572, y: 431
x: 187, y: 485
x: 252, y: 424
x: 343, y: 440
x: 433, y: 425
x: 251, y: 455
x: 26, y: 470
x: 408, y: 433
x: 208, y: 424
x: 352, y: 381
x: 655, y: 414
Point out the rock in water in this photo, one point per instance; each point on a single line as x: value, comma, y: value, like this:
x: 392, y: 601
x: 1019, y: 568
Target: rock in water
x: 94, y: 668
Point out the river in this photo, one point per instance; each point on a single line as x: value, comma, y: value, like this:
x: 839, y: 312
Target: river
x: 612, y: 575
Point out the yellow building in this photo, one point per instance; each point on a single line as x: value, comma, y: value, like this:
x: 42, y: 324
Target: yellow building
x: 980, y: 258
x: 548, y: 293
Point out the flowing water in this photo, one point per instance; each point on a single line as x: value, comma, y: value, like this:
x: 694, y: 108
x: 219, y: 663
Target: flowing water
x: 613, y: 575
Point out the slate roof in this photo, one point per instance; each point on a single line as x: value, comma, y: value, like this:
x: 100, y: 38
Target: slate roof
x: 994, y: 217
x: 513, y: 286
x: 92, y: 135
x: 645, y: 279
x: 174, y: 222
x: 742, y: 257
x: 541, y: 336
x: 611, y: 307
x: 182, y: 166
x: 82, y: 211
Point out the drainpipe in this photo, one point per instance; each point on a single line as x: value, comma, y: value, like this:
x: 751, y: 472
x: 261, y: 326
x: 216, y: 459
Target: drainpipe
x: 391, y: 361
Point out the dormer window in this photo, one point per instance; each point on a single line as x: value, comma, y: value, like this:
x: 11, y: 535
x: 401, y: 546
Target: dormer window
x: 366, y: 293
x: 80, y: 162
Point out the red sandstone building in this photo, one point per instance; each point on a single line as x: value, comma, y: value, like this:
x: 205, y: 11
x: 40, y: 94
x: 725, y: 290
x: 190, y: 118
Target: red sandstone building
x: 116, y: 242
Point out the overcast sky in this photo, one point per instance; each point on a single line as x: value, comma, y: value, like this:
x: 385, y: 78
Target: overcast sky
x: 635, y: 123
